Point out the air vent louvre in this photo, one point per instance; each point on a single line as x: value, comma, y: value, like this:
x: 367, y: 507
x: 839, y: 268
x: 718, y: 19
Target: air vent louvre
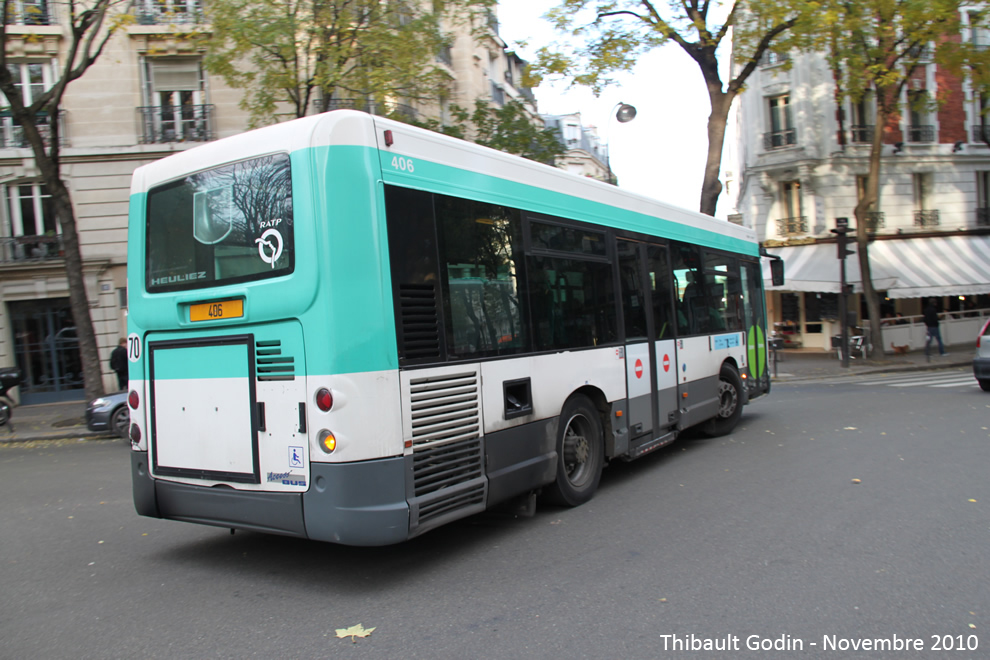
x: 270, y: 364
x: 419, y: 320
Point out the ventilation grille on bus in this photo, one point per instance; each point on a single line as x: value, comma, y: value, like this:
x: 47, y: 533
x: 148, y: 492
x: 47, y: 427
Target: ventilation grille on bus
x: 420, y: 323
x: 448, y: 459
x: 269, y: 363
x: 444, y: 408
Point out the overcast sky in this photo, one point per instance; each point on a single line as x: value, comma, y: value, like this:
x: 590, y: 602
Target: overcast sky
x: 661, y: 153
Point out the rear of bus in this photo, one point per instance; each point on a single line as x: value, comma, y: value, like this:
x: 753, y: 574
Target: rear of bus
x: 238, y: 349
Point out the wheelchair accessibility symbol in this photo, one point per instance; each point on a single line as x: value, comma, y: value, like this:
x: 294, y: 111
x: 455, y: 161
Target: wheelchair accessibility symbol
x: 270, y: 250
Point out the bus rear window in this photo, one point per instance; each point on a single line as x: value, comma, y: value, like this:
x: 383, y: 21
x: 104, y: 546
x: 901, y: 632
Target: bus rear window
x: 222, y: 226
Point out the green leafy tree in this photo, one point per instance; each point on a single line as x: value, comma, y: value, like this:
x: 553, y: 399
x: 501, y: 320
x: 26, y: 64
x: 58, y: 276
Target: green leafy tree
x: 607, y: 37
x: 308, y: 55
x: 876, y: 48
x: 91, y: 25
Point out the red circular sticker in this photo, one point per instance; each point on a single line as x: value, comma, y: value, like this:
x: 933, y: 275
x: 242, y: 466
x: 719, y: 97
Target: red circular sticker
x: 639, y: 368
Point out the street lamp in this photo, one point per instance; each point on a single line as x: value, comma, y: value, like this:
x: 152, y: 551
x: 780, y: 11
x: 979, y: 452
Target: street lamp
x: 624, y: 113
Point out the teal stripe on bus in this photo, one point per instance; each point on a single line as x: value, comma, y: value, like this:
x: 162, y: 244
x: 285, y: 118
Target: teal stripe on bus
x: 197, y: 362
x: 452, y: 181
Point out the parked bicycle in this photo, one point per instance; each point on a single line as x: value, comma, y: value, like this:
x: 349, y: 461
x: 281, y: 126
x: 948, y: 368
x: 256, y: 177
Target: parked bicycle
x: 9, y: 377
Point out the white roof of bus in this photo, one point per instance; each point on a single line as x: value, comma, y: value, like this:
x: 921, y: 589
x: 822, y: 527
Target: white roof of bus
x: 349, y: 127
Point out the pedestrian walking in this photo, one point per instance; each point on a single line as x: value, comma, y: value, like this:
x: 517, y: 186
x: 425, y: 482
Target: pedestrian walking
x: 118, y: 362
x: 931, y: 322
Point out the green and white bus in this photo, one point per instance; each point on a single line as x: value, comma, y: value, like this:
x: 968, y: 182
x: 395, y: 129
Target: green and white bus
x: 349, y: 329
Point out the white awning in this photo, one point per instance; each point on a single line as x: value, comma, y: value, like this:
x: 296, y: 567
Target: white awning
x: 904, y: 268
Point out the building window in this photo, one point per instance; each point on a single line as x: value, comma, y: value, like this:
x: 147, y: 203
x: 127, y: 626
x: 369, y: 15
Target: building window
x: 983, y: 199
x: 168, y: 12
x: 31, y: 79
x: 29, y: 12
x: 863, y: 119
x: 924, y: 215
x: 920, y: 129
x: 782, y: 132
x: 32, y: 227
x: 981, y: 118
x: 176, y: 108
x: 792, y: 220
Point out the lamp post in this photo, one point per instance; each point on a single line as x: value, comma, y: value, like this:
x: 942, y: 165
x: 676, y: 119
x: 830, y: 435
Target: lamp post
x: 624, y: 113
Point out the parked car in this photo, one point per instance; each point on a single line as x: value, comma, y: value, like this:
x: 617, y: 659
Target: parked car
x: 981, y: 363
x: 109, y: 413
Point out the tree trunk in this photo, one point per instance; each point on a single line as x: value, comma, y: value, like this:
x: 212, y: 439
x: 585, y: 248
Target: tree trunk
x: 862, y: 237
x: 711, y: 187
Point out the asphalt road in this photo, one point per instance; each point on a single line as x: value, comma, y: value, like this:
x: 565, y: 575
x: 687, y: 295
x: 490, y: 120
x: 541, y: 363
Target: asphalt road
x: 837, y: 514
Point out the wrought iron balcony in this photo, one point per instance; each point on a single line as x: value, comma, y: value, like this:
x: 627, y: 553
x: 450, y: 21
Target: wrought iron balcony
x: 981, y: 133
x: 875, y: 220
x: 921, y: 133
x: 926, y: 218
x: 779, y: 139
x: 862, y: 133
x: 19, y: 249
x: 188, y: 123
x: 12, y: 135
x: 792, y: 226
x: 29, y: 12
x: 983, y: 217
x: 169, y: 12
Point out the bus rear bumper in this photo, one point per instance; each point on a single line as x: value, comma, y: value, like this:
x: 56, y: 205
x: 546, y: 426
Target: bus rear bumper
x: 353, y: 504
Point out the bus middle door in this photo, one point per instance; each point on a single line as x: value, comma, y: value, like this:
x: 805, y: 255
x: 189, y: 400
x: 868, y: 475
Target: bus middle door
x: 639, y: 351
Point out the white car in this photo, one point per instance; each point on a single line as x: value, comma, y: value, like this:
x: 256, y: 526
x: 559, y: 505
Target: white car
x: 981, y: 363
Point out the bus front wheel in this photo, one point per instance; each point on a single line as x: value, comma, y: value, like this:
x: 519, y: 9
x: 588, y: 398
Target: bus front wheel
x: 730, y: 404
x: 580, y: 453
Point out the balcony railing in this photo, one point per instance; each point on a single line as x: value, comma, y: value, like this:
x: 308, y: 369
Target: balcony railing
x: 792, y: 226
x: 27, y: 12
x: 169, y: 12
x: 12, y: 135
x: 981, y: 133
x: 875, y: 220
x: 921, y: 134
x: 188, y: 123
x: 862, y: 133
x: 926, y: 218
x: 779, y: 139
x: 30, y: 248
x: 983, y: 217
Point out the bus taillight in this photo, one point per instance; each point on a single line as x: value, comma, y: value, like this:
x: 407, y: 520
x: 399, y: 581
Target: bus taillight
x: 135, y: 433
x: 327, y: 441
x: 324, y: 399
x: 132, y: 400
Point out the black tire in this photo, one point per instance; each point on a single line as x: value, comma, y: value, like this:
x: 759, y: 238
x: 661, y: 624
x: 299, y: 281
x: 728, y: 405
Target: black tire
x: 985, y: 384
x: 580, y: 453
x: 4, y: 413
x: 120, y: 421
x: 730, y: 398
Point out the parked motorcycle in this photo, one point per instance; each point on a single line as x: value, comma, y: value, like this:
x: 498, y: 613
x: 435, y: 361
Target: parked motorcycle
x: 9, y: 377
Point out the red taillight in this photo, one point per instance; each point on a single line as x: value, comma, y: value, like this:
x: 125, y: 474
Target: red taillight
x: 985, y: 330
x: 135, y: 434
x: 132, y: 400
x: 324, y: 399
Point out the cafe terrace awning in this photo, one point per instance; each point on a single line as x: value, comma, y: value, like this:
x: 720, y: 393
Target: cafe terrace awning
x: 904, y: 268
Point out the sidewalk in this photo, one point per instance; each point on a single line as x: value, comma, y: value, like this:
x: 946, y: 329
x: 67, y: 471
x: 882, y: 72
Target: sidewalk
x: 50, y: 421
x: 67, y: 420
x: 797, y: 364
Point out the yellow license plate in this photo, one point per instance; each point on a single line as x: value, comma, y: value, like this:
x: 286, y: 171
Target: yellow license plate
x: 215, y: 311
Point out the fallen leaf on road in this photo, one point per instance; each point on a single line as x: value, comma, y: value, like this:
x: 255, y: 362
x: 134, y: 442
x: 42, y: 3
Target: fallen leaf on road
x: 973, y: 501
x: 849, y: 428
x: 857, y: 481
x: 354, y: 631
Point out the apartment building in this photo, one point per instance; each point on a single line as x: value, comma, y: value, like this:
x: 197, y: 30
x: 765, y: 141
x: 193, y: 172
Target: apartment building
x: 802, y: 164
x: 586, y: 154
x: 147, y: 96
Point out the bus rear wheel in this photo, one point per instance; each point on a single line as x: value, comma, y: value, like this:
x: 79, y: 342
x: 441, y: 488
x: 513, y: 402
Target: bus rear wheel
x: 580, y: 453
x: 729, y: 403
